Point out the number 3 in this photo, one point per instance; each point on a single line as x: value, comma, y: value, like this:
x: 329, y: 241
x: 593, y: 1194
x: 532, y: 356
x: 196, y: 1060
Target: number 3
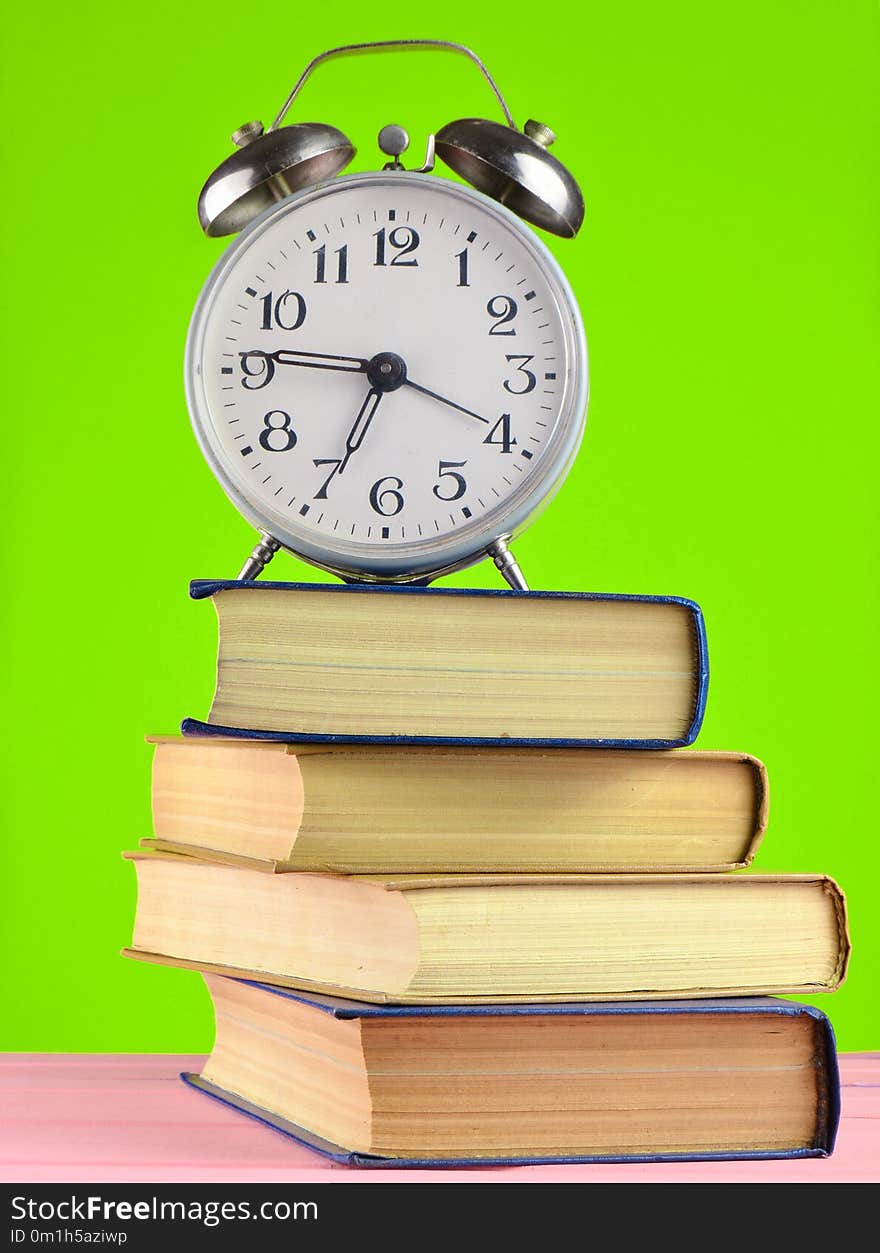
x: 530, y: 379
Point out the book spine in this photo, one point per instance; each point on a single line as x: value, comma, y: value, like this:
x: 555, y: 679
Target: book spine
x: 827, y: 1083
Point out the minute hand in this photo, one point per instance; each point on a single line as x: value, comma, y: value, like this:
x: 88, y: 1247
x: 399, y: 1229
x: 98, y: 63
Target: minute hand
x: 444, y: 400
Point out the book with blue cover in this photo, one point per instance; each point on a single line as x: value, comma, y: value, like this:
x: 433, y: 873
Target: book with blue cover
x: 500, y: 1084
x: 391, y: 664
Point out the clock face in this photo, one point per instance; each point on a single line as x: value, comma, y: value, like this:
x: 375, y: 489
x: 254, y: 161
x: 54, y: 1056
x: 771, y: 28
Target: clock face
x: 387, y: 373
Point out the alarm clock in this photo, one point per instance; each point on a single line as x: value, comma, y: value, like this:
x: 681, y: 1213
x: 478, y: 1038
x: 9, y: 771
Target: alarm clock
x: 387, y: 371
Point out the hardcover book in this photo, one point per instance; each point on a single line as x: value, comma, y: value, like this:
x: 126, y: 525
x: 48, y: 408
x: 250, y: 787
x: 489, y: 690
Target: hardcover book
x: 382, y: 1086
x: 448, y: 938
x: 415, y: 808
x: 392, y: 664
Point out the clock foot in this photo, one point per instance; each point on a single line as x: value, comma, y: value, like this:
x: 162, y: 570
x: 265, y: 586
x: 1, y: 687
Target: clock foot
x: 259, y: 558
x: 508, y: 565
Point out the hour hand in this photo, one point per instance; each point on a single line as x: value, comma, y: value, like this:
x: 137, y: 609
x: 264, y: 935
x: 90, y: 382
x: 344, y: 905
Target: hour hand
x: 258, y: 366
x: 321, y: 360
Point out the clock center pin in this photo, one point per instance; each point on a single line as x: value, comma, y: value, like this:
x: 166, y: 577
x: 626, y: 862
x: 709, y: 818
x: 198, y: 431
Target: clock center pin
x: 386, y: 371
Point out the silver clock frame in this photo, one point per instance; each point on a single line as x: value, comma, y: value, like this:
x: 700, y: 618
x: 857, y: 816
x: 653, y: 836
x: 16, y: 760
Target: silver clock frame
x: 395, y: 563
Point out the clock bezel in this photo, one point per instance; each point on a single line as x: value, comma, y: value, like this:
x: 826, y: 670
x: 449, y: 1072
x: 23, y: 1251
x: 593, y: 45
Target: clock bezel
x: 449, y: 551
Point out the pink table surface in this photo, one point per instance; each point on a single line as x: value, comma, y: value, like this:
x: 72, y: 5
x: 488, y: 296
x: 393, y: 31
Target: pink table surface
x: 79, y: 1118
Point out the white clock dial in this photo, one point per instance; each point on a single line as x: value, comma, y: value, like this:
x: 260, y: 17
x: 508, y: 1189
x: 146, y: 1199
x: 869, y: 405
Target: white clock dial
x: 387, y: 373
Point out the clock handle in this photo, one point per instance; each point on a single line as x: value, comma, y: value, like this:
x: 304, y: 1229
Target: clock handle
x: 345, y: 49
x: 259, y: 558
x: 508, y: 565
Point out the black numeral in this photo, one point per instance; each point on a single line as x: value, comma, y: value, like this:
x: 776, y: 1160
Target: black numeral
x: 335, y: 462
x: 320, y: 255
x: 505, y: 442
x: 447, y: 470
x: 462, y: 259
x: 387, y: 501
x: 258, y: 367
x: 503, y: 309
x: 529, y: 378
x: 282, y: 429
x: 403, y: 238
x: 278, y: 312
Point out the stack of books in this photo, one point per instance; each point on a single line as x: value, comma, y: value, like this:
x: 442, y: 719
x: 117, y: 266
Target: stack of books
x: 460, y: 894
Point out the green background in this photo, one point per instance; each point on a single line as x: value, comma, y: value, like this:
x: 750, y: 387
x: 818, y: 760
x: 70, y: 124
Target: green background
x: 727, y: 272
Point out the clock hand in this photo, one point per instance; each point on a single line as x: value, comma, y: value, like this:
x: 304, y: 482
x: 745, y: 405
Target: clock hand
x: 443, y: 400
x: 354, y: 441
x: 266, y: 362
x: 321, y: 360
x: 361, y: 426
x: 333, y: 361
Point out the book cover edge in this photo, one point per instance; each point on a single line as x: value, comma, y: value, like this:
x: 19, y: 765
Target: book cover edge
x: 402, y: 881
x: 339, y: 1007
x: 279, y: 865
x: 201, y: 589
x: 380, y: 998
x: 351, y: 1158
x: 194, y: 727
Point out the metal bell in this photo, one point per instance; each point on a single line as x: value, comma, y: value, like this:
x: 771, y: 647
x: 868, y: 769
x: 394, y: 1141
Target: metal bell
x: 266, y: 168
x: 515, y: 168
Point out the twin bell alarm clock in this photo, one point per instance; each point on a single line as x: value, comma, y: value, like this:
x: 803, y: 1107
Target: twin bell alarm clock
x: 387, y: 371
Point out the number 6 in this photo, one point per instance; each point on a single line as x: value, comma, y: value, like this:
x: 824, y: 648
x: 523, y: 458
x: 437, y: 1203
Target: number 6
x: 379, y: 499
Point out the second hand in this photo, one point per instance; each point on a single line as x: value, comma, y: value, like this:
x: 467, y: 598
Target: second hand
x: 444, y: 400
